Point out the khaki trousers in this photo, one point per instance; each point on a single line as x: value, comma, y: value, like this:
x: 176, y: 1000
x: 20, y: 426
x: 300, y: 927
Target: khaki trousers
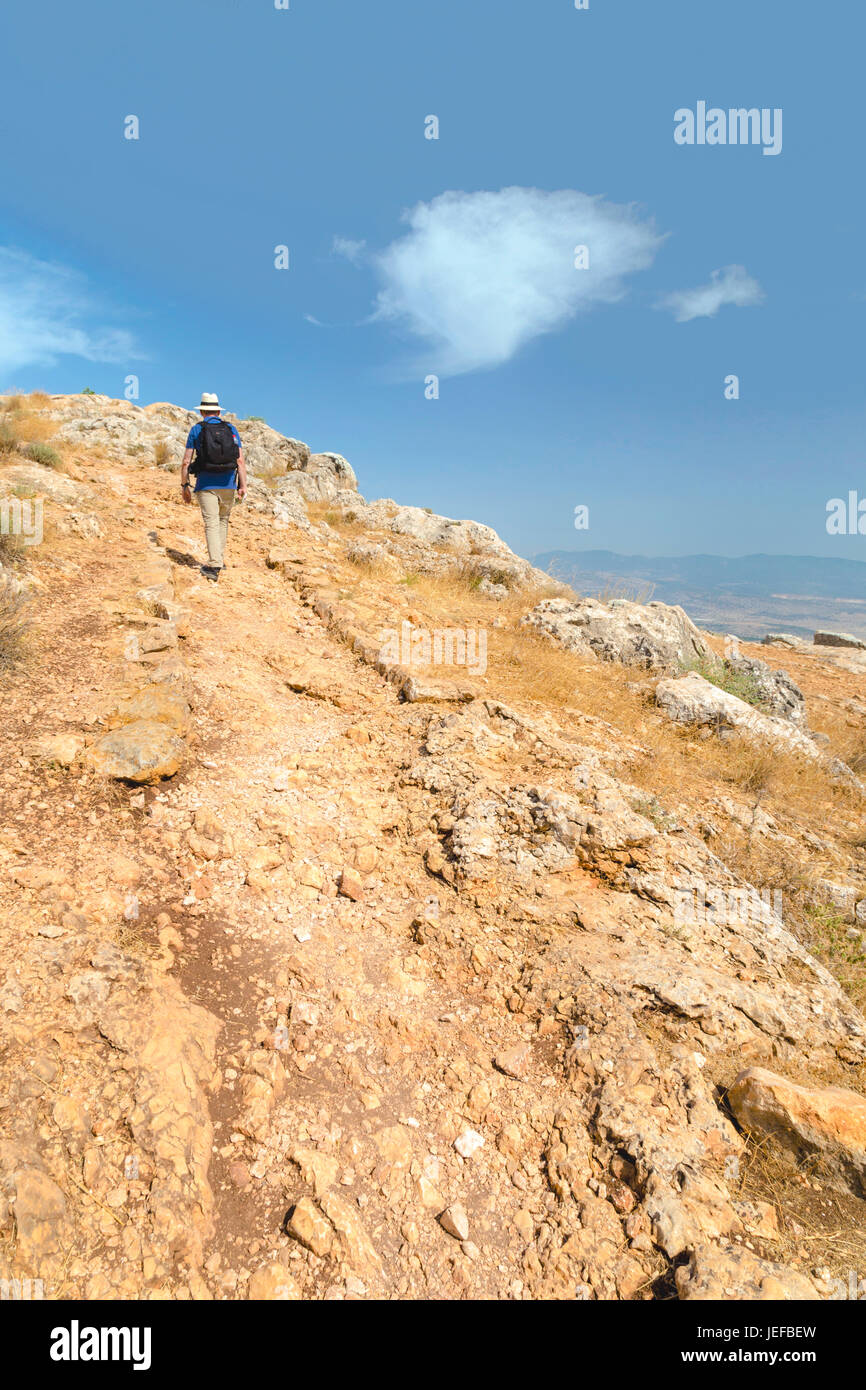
x: 216, y: 505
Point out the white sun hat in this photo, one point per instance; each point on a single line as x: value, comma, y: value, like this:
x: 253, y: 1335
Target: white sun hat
x: 209, y: 401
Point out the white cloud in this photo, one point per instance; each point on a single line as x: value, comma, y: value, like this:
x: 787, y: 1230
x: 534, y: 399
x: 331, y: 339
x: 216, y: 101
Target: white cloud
x: 478, y: 275
x: 352, y: 250
x: 730, y: 285
x: 44, y: 309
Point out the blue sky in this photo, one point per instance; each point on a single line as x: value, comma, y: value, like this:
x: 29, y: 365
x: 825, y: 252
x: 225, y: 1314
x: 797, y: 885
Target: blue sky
x: 305, y: 127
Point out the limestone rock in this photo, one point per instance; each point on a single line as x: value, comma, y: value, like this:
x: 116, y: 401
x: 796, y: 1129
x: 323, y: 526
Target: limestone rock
x: 350, y: 885
x: 734, y: 1273
x: 41, y: 1221
x: 273, y: 1283
x: 654, y: 635
x: 514, y: 1061
x: 357, y: 1248
x: 691, y: 699
x: 158, y: 704
x: 309, y: 1226
x: 839, y: 639
x: 62, y: 749
x: 318, y: 1169
x: 455, y: 1221
x: 778, y: 694
x: 807, y: 1123
x: 142, y: 751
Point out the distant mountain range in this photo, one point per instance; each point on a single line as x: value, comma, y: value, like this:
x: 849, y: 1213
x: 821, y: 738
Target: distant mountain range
x: 750, y: 595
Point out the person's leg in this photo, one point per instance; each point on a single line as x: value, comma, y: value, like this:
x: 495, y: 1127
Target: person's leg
x: 226, y: 502
x: 208, y: 501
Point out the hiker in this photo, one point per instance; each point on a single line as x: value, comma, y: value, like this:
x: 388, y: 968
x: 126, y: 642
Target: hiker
x: 220, y: 471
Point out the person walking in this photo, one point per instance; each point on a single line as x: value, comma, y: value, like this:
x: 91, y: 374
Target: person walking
x: 214, y: 456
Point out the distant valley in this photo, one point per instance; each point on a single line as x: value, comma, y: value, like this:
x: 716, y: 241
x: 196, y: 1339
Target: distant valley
x: 749, y: 595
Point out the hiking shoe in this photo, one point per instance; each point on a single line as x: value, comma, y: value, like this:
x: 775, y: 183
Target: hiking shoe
x: 210, y: 573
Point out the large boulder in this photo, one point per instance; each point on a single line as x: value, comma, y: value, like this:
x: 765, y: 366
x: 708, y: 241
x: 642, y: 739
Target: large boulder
x: 808, y: 1124
x: 838, y: 639
x: 144, y: 751
x: 730, y: 1273
x: 335, y: 467
x: 775, y: 691
x: 691, y: 699
x: 159, y: 703
x: 783, y: 639
x: 654, y: 635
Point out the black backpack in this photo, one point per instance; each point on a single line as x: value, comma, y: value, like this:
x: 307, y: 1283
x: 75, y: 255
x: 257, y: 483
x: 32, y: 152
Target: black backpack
x: 216, y: 449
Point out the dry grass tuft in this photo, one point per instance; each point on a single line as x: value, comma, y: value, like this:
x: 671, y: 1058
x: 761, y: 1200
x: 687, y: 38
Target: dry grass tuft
x: 815, y: 922
x: 14, y: 624
x: 22, y: 422
x: 818, y: 1226
x: 346, y: 523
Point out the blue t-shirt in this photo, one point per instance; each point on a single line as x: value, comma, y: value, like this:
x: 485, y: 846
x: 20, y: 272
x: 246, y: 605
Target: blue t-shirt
x: 206, y: 481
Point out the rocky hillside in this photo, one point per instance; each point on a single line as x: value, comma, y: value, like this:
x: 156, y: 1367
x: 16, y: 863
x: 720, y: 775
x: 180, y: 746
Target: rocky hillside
x: 387, y: 921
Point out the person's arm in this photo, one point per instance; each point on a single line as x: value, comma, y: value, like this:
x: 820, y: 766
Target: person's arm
x: 242, y: 474
x: 184, y: 474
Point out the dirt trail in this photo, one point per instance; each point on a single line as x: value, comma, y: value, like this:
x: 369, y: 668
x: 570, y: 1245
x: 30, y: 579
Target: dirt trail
x: 341, y: 758
x: 336, y: 991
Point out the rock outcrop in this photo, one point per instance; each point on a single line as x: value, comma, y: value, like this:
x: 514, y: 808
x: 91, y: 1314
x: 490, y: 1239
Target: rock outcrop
x: 691, y: 699
x: 653, y: 635
x: 774, y: 691
x: 825, y: 1127
x: 839, y: 639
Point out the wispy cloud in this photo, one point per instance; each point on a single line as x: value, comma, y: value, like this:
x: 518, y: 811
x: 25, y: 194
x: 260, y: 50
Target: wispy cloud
x: 47, y: 312
x: 730, y: 285
x: 479, y: 275
x: 351, y: 250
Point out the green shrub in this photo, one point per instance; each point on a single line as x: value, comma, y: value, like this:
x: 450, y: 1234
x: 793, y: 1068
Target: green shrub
x: 738, y: 683
x: 44, y: 454
x: 88, y: 391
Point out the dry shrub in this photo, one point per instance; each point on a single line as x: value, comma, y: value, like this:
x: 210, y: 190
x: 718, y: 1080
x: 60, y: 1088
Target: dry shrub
x: 14, y: 624
x: 11, y: 551
x: 22, y: 422
x: 33, y: 428
x: 847, y: 734
x: 9, y: 436
x: 346, y: 523
x: 814, y: 921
